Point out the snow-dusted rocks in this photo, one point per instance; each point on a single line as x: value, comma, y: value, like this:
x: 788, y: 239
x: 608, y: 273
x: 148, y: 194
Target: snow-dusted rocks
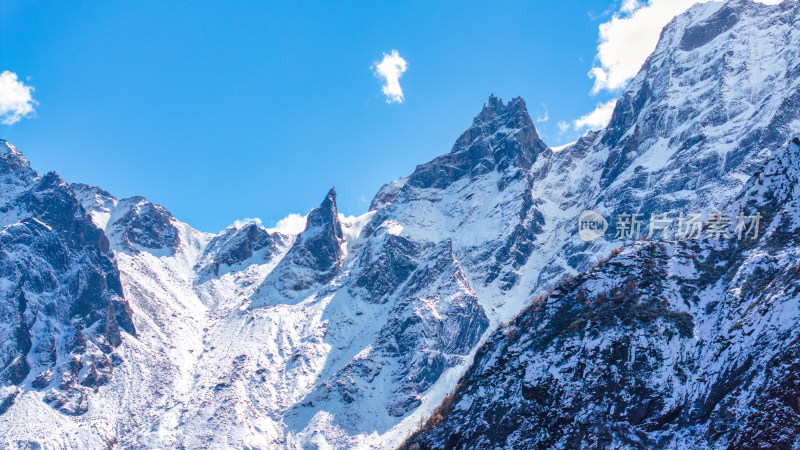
x: 479, y: 195
x: 430, y: 324
x: 15, y: 171
x: 719, y: 91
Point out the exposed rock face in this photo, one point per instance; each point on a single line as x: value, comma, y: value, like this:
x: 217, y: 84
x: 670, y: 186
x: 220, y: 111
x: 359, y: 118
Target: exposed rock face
x: 62, y: 301
x: 51, y: 201
x: 438, y: 320
x: 689, y: 130
x: 15, y: 171
x: 494, y: 158
x: 386, y: 267
x: 319, y: 246
x: 704, y: 130
x: 132, y: 224
x: 435, y: 321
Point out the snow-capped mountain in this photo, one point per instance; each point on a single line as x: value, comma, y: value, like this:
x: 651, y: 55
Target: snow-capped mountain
x: 123, y: 326
x: 666, y: 344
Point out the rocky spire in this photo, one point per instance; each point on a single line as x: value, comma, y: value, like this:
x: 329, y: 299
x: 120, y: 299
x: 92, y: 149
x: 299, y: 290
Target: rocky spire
x: 325, y: 216
x: 315, y: 258
x: 498, y: 122
x: 320, y: 243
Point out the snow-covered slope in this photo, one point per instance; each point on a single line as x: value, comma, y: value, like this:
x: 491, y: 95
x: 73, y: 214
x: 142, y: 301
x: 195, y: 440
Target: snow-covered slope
x: 349, y: 333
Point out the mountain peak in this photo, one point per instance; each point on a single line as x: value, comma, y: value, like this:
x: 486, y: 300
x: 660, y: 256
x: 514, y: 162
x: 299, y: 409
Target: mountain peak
x: 314, y: 258
x: 325, y: 214
x: 496, y: 115
x: 494, y: 102
x: 498, y: 122
x: 496, y: 106
x: 502, y: 137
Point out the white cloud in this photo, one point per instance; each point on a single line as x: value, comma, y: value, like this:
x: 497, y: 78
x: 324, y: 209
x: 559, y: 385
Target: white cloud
x: 16, y: 101
x: 248, y: 220
x: 563, y: 127
x: 545, y: 117
x: 629, y: 6
x: 391, y: 68
x: 598, y: 118
x: 630, y: 36
x: 291, y: 224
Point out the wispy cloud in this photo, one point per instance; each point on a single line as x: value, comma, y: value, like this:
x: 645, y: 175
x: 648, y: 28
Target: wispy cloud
x: 543, y: 117
x: 16, y: 101
x: 390, y: 69
x: 629, y: 6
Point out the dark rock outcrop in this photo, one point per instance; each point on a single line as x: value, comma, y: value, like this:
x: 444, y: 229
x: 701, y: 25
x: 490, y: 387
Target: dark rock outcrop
x: 147, y: 226
x: 386, y: 267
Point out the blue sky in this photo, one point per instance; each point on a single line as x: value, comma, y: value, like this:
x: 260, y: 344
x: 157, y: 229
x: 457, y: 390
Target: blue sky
x: 226, y: 110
